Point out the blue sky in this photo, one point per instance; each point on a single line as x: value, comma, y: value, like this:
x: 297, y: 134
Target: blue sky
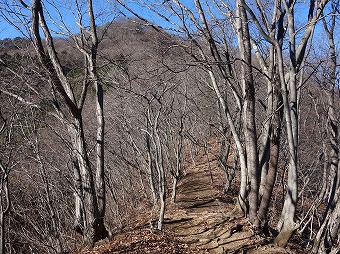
x: 66, y: 12
x: 105, y: 9
x: 7, y: 31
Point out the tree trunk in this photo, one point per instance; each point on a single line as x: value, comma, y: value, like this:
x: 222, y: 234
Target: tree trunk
x: 87, y: 207
x: 223, y: 161
x: 174, y: 189
x: 161, y: 177
x: 249, y: 127
x: 99, y: 180
x: 161, y: 210
x: 79, y: 220
x: 327, y: 238
x: 287, y: 224
x: 151, y: 170
x: 178, y: 159
x: 325, y: 176
x: 274, y: 148
x: 100, y: 157
x: 5, y: 205
x: 2, y: 231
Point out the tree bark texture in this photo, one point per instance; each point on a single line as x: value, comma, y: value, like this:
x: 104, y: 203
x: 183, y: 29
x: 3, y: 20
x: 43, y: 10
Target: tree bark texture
x: 5, y: 204
x: 249, y: 126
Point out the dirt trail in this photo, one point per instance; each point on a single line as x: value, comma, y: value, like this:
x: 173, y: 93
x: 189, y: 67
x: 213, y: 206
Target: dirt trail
x: 199, y: 222
x: 201, y: 218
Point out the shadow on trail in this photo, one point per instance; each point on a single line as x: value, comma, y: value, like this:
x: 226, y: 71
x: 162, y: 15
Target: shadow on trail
x: 200, y: 217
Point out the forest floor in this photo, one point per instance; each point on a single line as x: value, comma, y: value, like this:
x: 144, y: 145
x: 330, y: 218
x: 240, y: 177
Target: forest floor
x: 201, y: 221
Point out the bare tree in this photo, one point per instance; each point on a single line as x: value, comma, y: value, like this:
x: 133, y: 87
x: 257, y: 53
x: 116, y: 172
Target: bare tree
x: 327, y: 238
x: 90, y: 194
x: 248, y: 90
x: 175, y: 128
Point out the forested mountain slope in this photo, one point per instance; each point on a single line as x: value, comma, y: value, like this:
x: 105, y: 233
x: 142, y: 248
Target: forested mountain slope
x: 215, y: 125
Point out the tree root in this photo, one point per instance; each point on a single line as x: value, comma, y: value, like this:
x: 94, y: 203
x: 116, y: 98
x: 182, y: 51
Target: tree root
x: 217, y: 237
